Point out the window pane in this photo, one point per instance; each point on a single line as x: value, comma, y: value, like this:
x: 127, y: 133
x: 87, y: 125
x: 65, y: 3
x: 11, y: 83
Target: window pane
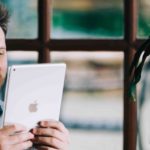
x: 23, y: 20
x: 21, y: 57
x: 92, y: 105
x: 87, y: 19
x: 144, y: 18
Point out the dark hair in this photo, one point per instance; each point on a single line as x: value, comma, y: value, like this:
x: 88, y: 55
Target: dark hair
x: 4, y: 17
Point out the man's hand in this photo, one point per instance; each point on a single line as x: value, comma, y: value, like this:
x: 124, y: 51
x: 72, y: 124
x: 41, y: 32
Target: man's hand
x: 51, y: 135
x: 11, y: 138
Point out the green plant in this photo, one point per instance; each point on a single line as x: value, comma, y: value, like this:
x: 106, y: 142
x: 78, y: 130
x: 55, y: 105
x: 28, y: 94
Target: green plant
x: 137, y: 66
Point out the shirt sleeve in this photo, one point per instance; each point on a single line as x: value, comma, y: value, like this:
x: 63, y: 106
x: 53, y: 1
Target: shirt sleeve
x: 1, y: 112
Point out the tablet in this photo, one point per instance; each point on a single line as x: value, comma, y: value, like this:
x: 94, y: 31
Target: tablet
x: 33, y: 93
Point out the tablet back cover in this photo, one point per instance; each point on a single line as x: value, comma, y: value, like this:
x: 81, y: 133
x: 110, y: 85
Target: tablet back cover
x: 33, y: 93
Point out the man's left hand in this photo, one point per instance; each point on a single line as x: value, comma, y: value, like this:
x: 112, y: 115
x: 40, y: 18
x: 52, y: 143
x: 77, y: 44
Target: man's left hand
x: 51, y: 135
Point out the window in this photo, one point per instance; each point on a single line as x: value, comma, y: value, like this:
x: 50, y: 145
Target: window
x: 23, y: 21
x: 46, y: 40
x: 93, y: 86
x: 87, y: 19
x: 143, y: 22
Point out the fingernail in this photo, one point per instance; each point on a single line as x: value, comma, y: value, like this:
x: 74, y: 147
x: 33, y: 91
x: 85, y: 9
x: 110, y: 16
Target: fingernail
x: 34, y: 130
x: 42, y: 123
x: 31, y: 135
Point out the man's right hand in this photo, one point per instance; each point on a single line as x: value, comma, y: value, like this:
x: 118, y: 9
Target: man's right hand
x: 15, y: 137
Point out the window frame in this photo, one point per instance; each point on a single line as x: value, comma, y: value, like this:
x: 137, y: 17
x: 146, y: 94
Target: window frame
x: 128, y: 45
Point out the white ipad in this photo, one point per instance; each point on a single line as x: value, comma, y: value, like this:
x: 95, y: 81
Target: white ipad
x: 33, y: 93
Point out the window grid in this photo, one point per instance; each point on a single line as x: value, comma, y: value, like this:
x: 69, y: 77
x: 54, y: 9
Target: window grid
x: 128, y: 45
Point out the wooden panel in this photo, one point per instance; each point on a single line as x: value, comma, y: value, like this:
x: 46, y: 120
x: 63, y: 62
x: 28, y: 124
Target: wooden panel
x: 44, y: 30
x: 130, y: 112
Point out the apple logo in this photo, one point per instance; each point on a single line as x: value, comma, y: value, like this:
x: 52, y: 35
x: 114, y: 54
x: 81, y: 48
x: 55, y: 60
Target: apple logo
x: 33, y: 107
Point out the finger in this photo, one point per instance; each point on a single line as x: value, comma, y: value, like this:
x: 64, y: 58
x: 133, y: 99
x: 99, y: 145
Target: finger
x: 45, y: 148
x: 50, y: 132
x: 11, y: 129
x: 19, y: 138
x: 50, y: 141
x: 54, y: 124
x: 22, y: 146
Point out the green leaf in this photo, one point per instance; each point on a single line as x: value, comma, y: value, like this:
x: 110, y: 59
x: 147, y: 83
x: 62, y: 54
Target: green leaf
x: 132, y: 92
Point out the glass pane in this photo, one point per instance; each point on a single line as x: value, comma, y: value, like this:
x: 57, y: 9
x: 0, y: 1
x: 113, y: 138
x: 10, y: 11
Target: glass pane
x: 92, y: 107
x: 87, y: 19
x: 21, y: 57
x: 144, y: 21
x: 23, y: 20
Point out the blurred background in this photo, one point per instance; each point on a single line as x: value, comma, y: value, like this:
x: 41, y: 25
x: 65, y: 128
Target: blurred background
x: 92, y: 106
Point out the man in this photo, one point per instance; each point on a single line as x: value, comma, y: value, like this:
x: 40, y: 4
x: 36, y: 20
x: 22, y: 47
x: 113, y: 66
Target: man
x: 50, y: 135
